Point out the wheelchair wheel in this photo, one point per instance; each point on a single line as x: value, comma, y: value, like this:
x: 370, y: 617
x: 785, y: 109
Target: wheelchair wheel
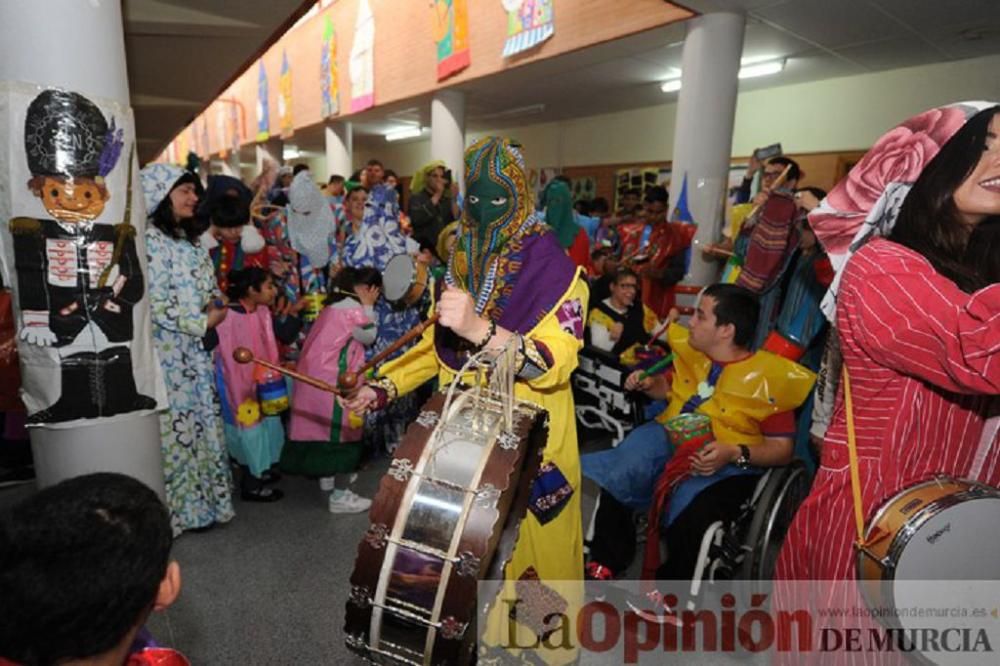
x: 785, y: 491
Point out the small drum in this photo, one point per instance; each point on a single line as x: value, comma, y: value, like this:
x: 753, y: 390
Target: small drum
x: 942, y: 529
x: 272, y: 391
x: 404, y: 280
x: 445, y: 517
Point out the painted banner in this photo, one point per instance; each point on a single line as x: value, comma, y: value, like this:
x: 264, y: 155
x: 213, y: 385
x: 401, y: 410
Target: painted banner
x: 362, y: 62
x: 451, y: 33
x: 330, y: 93
x: 263, y: 115
x: 236, y: 126
x: 529, y: 23
x: 73, y: 252
x: 221, y: 135
x: 285, y: 121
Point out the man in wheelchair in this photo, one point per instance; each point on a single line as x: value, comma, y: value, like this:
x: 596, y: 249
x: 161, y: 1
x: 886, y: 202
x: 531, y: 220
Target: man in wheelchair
x: 729, y: 415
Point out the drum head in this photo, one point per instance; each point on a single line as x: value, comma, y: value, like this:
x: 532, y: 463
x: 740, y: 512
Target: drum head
x: 941, y: 569
x: 397, y: 278
x: 953, y: 544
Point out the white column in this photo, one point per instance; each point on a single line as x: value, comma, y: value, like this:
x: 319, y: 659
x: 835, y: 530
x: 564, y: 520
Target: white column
x: 269, y: 150
x: 87, y: 46
x: 448, y: 132
x: 339, y: 150
x: 703, y: 134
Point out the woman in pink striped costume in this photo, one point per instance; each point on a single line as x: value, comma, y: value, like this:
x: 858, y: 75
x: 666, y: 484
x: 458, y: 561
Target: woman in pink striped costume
x: 914, y: 235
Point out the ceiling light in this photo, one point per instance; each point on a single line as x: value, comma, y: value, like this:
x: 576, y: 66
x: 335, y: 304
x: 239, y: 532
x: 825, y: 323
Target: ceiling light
x: 762, y: 69
x: 405, y: 133
x: 291, y: 153
x: 753, y: 60
x: 671, y: 86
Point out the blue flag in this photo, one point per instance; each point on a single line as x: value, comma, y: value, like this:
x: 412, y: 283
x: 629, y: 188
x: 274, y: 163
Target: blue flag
x: 683, y: 214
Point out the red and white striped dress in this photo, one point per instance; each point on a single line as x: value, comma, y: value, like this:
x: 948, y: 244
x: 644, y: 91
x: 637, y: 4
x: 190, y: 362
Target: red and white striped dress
x: 924, y: 362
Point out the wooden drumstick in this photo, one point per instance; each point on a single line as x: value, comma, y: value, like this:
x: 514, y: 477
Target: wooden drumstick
x: 347, y: 381
x: 712, y: 248
x: 244, y: 355
x: 778, y: 182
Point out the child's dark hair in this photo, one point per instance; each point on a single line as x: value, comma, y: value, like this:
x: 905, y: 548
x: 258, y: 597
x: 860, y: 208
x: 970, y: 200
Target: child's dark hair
x: 80, y: 566
x: 241, y: 281
x: 343, y: 285
x: 227, y: 212
x: 737, y: 306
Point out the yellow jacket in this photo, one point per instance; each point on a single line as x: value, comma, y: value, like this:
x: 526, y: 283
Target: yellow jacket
x: 746, y: 393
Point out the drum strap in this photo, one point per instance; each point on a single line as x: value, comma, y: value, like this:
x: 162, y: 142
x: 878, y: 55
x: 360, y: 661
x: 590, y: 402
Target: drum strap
x: 852, y: 450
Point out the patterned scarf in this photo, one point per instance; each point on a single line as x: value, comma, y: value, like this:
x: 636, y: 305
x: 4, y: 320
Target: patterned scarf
x: 868, y: 201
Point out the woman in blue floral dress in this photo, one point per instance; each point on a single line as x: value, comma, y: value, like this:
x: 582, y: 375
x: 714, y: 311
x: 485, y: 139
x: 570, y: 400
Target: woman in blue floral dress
x: 183, y: 293
x: 371, y: 238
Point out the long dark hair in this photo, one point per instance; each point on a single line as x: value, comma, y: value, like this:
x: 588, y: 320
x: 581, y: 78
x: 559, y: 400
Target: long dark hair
x: 929, y: 222
x: 190, y: 228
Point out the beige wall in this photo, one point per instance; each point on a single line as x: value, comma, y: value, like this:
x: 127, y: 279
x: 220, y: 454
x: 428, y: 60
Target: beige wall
x: 834, y: 115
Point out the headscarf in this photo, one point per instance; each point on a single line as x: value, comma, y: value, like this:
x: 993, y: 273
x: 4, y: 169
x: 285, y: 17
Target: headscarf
x: 311, y: 222
x: 557, y: 201
x: 157, y: 182
x: 867, y: 202
x: 442, y: 240
x: 419, y: 182
x: 501, y: 161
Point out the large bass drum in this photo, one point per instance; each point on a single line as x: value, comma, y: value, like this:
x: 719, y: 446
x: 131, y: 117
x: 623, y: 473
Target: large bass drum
x: 445, y: 517
x: 941, y: 529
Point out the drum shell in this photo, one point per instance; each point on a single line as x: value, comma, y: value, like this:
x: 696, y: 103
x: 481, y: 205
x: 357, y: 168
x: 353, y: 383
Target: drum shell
x: 886, y: 534
x: 489, y: 533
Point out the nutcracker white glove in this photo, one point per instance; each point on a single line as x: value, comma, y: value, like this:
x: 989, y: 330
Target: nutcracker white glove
x: 35, y: 328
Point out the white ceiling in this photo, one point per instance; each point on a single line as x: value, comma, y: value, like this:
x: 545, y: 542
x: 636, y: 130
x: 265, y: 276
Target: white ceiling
x: 820, y: 38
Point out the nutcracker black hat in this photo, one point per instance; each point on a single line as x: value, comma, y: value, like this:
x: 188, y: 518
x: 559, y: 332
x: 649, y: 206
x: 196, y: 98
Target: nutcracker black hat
x: 65, y: 134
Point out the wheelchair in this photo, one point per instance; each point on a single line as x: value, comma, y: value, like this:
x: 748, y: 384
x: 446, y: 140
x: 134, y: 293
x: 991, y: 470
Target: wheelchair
x: 603, y: 404
x: 745, y: 548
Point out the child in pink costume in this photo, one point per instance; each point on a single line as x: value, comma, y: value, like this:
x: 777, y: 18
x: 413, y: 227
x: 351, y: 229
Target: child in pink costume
x: 325, y: 438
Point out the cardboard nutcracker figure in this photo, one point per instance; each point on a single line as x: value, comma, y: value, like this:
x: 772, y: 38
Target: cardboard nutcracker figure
x: 77, y: 280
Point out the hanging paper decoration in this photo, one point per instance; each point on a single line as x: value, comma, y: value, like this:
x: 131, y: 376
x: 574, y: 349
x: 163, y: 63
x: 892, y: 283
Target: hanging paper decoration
x: 529, y: 22
x: 221, y: 136
x: 362, y: 65
x: 328, y: 70
x: 183, y: 146
x: 285, y: 98
x: 451, y: 32
x: 206, y: 144
x: 235, y: 128
x: 263, y: 117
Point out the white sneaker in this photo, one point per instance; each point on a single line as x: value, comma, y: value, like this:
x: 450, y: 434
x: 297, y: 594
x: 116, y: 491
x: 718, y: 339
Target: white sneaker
x: 348, y: 502
x: 326, y: 483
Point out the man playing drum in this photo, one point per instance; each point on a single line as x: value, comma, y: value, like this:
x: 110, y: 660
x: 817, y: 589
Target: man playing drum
x: 508, y: 280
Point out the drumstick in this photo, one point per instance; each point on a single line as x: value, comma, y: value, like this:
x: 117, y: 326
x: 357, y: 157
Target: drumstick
x: 712, y: 248
x: 244, y: 355
x: 656, y: 367
x: 348, y: 380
